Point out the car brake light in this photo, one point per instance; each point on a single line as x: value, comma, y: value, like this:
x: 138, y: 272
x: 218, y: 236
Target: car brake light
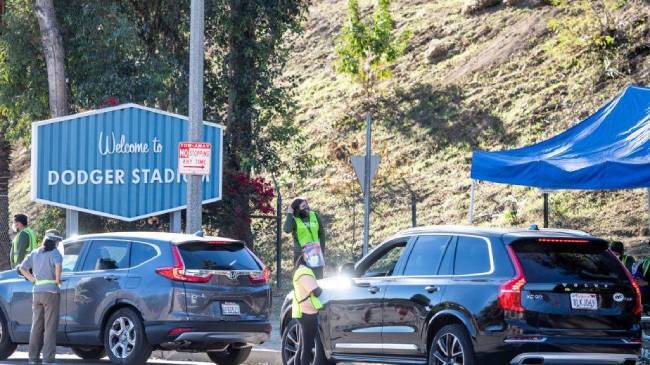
x: 178, y: 272
x: 638, y: 307
x: 261, y: 277
x: 561, y: 240
x: 510, y: 291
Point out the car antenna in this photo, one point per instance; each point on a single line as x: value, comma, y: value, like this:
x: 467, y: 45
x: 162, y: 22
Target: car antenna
x: 199, y: 233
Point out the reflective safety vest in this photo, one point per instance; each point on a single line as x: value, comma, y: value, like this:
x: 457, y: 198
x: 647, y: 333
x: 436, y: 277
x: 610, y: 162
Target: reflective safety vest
x: 45, y: 282
x: 645, y: 266
x: 307, y: 234
x: 33, y: 244
x: 624, y: 260
x: 296, y: 310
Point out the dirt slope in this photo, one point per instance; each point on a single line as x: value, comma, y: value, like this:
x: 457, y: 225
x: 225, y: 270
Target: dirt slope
x: 503, y: 84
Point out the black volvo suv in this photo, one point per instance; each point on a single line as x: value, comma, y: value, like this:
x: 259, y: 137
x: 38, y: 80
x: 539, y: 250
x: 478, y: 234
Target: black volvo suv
x: 467, y: 295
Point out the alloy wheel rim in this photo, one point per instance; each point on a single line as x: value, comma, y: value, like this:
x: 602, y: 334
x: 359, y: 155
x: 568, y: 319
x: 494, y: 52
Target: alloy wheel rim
x: 292, y: 344
x: 449, y: 350
x: 122, y: 337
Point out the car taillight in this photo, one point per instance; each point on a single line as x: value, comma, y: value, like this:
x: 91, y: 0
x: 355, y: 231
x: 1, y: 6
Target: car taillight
x: 262, y: 277
x: 638, y: 307
x: 178, y: 272
x: 510, y: 291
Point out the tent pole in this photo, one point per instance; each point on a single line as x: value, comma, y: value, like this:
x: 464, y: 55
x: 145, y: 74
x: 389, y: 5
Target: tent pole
x: 545, y: 210
x: 470, y: 218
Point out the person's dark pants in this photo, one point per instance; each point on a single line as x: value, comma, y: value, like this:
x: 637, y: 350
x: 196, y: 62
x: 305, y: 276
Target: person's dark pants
x: 45, y: 321
x: 308, y: 333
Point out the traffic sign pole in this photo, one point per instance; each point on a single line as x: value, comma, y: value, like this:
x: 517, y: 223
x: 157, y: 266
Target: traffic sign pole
x: 194, y: 185
x: 366, y: 185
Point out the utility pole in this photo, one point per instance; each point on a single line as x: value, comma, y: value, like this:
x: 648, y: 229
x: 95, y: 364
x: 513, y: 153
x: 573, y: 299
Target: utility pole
x: 194, y: 182
x: 366, y: 184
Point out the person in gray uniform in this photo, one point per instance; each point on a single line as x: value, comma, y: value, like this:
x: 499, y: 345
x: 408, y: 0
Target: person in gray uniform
x: 43, y: 268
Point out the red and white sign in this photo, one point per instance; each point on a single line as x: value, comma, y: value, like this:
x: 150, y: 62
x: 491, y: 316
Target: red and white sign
x: 194, y: 158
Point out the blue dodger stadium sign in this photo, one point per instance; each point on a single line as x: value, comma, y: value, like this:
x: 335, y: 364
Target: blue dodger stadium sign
x: 119, y: 162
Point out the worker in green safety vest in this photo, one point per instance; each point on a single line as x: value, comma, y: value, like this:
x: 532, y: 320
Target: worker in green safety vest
x: 24, y: 242
x: 628, y: 261
x: 308, y: 231
x: 43, y: 268
x: 305, y: 306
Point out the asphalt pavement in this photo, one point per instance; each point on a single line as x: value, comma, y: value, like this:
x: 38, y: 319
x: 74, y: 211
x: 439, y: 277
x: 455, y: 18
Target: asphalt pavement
x: 259, y: 356
x: 267, y: 353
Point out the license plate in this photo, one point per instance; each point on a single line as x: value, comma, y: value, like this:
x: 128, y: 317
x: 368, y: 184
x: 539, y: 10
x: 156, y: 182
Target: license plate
x: 584, y: 301
x: 230, y: 309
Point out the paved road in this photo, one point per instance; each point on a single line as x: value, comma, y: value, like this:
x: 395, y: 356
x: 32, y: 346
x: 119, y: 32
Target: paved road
x: 20, y: 358
x: 258, y: 356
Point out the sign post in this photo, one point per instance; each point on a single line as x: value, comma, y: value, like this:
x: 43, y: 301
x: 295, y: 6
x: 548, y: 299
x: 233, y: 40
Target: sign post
x: 197, y: 55
x: 121, y: 162
x: 365, y: 168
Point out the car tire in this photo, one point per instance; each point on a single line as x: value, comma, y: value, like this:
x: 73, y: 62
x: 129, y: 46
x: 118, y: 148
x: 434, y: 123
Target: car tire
x: 290, y: 344
x: 89, y: 353
x: 125, y: 340
x: 451, y: 344
x: 7, y: 348
x: 230, y: 356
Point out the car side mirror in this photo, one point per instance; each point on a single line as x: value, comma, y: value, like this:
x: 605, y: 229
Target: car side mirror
x: 347, y: 269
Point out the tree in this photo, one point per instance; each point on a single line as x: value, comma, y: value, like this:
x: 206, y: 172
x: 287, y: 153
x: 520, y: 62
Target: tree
x: 259, y: 112
x: 136, y: 51
x: 54, y: 53
x: 365, y: 49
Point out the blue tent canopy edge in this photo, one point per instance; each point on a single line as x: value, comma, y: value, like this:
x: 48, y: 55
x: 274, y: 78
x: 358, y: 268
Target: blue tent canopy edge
x: 608, y: 150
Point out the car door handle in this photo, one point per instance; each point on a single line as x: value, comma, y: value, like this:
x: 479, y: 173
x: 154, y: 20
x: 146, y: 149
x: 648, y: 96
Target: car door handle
x: 431, y: 288
x: 373, y: 290
x: 111, y: 277
x: 362, y: 284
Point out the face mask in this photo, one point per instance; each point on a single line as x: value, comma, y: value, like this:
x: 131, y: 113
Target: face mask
x: 14, y: 228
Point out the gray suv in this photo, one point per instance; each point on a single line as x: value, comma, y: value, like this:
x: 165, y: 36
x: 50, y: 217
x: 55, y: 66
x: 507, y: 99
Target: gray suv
x: 126, y: 294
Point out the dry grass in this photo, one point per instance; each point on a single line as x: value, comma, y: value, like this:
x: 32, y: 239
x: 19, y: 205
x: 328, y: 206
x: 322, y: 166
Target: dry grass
x: 498, y: 88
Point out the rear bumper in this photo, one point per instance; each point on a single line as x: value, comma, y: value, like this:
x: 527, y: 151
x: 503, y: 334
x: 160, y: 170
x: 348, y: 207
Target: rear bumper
x: 207, y: 335
x: 564, y: 358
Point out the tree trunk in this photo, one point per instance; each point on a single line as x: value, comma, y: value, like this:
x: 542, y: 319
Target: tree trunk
x: 5, y: 155
x: 241, y: 69
x: 52, y: 43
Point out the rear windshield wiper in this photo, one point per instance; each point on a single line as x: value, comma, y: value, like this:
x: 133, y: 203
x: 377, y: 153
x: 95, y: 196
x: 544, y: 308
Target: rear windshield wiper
x: 592, y: 275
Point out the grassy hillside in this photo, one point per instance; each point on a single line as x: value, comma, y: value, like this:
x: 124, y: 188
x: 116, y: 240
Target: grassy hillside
x: 506, y: 77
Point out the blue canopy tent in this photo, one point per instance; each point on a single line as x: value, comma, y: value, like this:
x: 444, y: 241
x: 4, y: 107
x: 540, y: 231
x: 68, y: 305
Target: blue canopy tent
x: 608, y: 150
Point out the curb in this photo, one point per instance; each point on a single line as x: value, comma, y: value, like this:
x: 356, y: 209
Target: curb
x: 257, y: 356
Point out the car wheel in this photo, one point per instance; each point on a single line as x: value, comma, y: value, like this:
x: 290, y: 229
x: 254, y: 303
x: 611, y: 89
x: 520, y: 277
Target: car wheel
x: 7, y: 348
x: 230, y: 356
x: 451, y: 345
x: 89, y: 353
x: 125, y: 340
x: 291, y: 346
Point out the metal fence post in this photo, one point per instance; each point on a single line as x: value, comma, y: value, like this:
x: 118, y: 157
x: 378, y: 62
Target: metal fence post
x: 545, y: 210
x: 414, y: 210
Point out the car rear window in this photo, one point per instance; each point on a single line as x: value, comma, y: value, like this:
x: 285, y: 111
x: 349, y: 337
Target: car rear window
x: 217, y: 256
x: 558, y: 262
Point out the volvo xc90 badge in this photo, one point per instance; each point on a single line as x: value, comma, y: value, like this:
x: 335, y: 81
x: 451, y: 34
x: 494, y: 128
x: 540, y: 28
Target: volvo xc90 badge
x: 619, y: 297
